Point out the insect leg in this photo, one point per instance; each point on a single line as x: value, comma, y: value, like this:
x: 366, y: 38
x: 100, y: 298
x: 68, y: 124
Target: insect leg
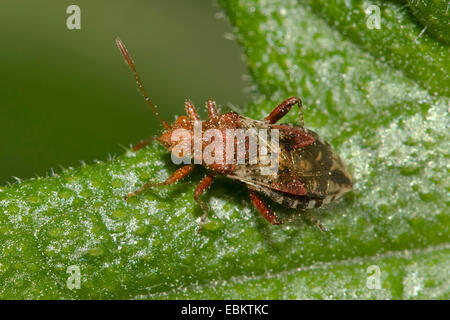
x: 191, y: 111
x: 283, y: 108
x: 315, y: 222
x: 177, y: 175
x: 143, y: 143
x: 201, y: 188
x: 263, y: 208
x: 211, y: 106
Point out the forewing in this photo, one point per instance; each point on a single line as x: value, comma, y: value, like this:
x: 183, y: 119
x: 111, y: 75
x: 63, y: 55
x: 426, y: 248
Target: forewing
x: 286, y: 177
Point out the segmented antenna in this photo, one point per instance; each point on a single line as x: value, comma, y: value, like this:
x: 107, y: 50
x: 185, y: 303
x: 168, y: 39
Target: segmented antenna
x: 130, y: 63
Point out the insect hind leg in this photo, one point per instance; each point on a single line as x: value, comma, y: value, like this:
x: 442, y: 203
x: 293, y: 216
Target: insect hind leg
x: 263, y: 208
x: 204, y: 184
x: 315, y: 221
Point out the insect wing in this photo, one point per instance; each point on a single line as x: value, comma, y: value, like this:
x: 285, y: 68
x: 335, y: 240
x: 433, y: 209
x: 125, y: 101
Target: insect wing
x: 307, y: 165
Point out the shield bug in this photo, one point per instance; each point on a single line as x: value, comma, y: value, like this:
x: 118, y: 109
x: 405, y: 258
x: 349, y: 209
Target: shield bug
x: 308, y: 174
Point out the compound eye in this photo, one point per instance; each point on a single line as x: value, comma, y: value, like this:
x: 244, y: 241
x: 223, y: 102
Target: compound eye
x: 182, y: 121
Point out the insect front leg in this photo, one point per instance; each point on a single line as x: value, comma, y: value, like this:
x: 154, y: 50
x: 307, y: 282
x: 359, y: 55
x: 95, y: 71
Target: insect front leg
x: 143, y: 143
x: 177, y: 175
x: 211, y: 106
x: 201, y: 188
x: 191, y: 111
x: 263, y: 208
x: 283, y: 108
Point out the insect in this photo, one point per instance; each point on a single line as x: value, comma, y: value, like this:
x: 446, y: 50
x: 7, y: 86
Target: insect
x: 309, y: 175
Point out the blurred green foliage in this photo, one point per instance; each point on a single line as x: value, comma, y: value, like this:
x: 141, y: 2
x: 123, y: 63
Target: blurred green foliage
x: 67, y: 94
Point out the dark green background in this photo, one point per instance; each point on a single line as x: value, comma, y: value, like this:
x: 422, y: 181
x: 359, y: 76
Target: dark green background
x: 66, y: 95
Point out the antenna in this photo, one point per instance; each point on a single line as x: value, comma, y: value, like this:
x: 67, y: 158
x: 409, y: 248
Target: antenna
x: 130, y: 63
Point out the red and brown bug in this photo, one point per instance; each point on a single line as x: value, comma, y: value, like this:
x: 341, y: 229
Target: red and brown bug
x: 310, y: 173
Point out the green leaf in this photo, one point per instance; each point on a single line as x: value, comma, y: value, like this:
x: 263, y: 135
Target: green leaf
x: 434, y: 15
x: 398, y: 42
x: 391, y: 129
